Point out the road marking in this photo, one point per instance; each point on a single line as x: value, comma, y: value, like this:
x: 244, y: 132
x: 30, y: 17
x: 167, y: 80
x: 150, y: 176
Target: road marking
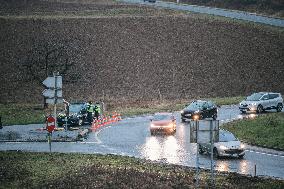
x: 263, y: 153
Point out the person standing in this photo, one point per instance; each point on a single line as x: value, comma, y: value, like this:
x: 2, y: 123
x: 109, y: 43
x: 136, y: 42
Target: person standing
x: 97, y: 110
x: 90, y: 111
x: 1, y: 126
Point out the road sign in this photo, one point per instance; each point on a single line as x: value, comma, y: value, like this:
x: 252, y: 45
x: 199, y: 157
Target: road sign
x: 50, y: 93
x: 49, y: 82
x: 50, y: 124
x: 52, y: 100
x: 203, y: 136
x: 200, y: 131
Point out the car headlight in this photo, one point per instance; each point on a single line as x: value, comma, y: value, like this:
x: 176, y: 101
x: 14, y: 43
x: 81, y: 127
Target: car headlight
x: 196, y: 117
x: 242, y: 146
x: 182, y: 111
x: 222, y: 147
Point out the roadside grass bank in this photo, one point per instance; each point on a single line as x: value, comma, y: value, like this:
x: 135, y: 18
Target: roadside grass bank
x: 21, y: 114
x: 138, y: 108
x: 57, y: 170
x: 266, y: 130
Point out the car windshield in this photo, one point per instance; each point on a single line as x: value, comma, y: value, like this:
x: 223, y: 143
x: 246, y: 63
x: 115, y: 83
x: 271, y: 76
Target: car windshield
x: 75, y: 108
x: 254, y: 97
x: 226, y: 137
x: 195, y: 105
x: 161, y: 117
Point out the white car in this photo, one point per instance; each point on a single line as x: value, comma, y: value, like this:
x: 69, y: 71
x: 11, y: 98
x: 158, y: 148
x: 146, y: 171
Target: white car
x: 259, y: 102
x: 228, y: 145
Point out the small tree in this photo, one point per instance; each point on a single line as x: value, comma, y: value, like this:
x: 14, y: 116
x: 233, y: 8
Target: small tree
x: 45, y: 58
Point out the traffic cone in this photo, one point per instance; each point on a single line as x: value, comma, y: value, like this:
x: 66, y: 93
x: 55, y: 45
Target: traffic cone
x: 119, y: 117
x: 94, y: 123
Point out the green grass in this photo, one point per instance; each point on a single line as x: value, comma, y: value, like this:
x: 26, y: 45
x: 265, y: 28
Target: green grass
x: 56, y: 170
x: 266, y: 130
x: 22, y: 114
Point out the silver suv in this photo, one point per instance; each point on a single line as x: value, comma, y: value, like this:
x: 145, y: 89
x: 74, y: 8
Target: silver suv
x: 259, y: 102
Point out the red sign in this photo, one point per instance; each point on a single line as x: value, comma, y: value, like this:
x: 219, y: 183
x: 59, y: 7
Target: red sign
x: 50, y: 124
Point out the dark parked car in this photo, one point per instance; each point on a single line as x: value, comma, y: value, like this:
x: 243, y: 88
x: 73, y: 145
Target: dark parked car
x: 77, y: 115
x: 199, y: 109
x: 151, y: 1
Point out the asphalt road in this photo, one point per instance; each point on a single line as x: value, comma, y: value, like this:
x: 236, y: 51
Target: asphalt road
x: 214, y: 11
x: 131, y: 137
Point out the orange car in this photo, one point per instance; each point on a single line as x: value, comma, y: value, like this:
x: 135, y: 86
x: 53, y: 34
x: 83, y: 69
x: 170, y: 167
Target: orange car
x: 163, y: 122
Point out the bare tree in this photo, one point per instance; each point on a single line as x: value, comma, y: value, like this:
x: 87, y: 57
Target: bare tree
x: 45, y: 58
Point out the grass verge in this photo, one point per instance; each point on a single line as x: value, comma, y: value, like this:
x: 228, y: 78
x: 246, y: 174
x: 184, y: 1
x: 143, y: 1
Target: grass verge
x: 30, y: 113
x: 266, y: 130
x: 55, y: 170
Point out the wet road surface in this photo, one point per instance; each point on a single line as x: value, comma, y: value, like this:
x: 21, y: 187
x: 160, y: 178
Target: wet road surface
x: 131, y: 137
x: 215, y: 11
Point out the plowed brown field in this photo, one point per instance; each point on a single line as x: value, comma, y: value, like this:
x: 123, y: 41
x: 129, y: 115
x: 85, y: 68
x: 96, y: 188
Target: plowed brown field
x: 154, y: 54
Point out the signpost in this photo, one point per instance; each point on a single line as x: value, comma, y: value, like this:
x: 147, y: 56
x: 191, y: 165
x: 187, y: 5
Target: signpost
x: 53, y: 91
x: 202, y: 132
x: 53, y: 94
x: 50, y: 126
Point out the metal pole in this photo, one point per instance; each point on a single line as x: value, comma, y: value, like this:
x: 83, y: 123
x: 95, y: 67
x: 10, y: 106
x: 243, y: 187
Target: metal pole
x: 49, y: 140
x: 197, y: 154
x: 255, y: 170
x: 211, y: 141
x: 55, y: 97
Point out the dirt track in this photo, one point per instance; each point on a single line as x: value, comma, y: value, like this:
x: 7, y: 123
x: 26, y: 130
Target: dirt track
x: 144, y: 57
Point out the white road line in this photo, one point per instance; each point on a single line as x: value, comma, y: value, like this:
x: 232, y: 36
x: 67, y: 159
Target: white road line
x: 263, y: 153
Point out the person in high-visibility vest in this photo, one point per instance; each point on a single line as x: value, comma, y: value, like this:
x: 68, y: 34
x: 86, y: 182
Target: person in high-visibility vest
x: 1, y: 127
x: 97, y: 110
x: 90, y: 111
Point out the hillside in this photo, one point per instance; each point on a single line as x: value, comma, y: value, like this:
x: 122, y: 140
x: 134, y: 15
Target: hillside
x: 117, y: 51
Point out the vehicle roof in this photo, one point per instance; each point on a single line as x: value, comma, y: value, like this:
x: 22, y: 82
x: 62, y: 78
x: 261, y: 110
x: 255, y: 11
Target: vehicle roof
x: 265, y: 93
x: 163, y: 113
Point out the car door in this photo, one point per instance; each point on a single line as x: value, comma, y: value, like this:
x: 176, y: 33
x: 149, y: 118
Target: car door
x: 205, y: 109
x: 273, y: 99
x: 265, y: 102
x: 211, y: 108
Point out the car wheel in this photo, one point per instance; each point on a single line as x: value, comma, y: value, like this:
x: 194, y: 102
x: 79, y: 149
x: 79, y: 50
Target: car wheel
x: 215, y: 153
x: 259, y: 109
x: 201, y: 151
x: 182, y: 120
x: 279, y: 107
x: 80, y: 122
x: 152, y: 132
x: 241, y: 156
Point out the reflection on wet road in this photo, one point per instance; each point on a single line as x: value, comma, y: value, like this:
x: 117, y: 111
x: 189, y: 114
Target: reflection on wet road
x: 177, y: 149
x: 132, y: 137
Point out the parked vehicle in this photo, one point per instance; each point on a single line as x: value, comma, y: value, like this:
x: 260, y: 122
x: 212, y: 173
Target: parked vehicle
x: 259, y: 102
x: 228, y: 145
x: 163, y: 122
x: 150, y: 1
x: 199, y: 109
x: 77, y: 115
